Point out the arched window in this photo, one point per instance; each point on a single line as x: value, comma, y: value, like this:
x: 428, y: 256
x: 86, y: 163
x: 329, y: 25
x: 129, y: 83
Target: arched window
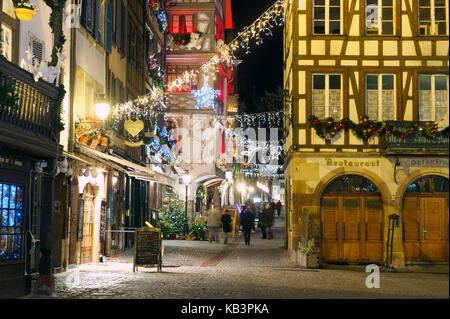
x: 428, y: 184
x: 351, y: 184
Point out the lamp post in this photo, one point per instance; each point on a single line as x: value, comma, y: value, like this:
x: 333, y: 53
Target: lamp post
x: 186, y: 180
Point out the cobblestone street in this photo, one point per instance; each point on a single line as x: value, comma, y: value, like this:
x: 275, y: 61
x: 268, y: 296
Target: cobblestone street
x: 203, y: 270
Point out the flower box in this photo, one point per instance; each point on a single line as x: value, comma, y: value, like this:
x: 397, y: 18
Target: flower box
x: 24, y: 14
x: 308, y: 261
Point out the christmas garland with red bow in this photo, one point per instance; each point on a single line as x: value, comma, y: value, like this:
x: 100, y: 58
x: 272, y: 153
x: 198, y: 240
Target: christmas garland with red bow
x: 367, y: 129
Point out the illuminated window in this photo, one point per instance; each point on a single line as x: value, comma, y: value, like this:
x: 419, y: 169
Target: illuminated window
x: 379, y: 17
x: 182, y: 24
x: 380, y: 97
x: 433, y: 97
x: 327, y: 96
x: 11, y: 222
x: 432, y: 17
x: 178, y: 71
x: 327, y: 17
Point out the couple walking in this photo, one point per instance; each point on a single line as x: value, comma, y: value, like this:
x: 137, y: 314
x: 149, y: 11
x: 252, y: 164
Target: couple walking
x: 215, y: 221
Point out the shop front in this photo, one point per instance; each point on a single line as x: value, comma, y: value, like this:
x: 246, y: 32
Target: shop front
x: 345, y: 204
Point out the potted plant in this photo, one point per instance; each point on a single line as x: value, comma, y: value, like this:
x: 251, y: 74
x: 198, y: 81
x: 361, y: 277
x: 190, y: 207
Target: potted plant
x: 25, y: 10
x: 199, y: 229
x: 307, y: 257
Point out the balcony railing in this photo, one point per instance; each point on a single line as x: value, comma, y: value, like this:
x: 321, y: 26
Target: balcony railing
x: 38, y: 104
x: 415, y: 144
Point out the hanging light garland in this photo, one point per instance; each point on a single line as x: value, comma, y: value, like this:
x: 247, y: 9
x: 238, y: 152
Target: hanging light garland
x: 271, y: 18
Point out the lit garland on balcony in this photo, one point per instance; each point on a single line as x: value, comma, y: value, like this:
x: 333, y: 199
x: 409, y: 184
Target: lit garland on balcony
x: 367, y: 129
x: 261, y: 170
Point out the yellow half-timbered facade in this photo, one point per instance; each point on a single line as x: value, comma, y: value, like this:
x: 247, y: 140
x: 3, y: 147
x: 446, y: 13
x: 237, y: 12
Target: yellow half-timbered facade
x: 367, y: 60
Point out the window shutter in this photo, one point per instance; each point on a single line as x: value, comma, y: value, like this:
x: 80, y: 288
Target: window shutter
x: 37, y: 50
x: 109, y: 25
x: 98, y: 22
x: 118, y: 30
x: 125, y: 42
x: 89, y: 14
x: 83, y: 12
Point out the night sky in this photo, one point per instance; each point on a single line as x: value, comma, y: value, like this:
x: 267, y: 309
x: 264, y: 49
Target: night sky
x: 262, y: 69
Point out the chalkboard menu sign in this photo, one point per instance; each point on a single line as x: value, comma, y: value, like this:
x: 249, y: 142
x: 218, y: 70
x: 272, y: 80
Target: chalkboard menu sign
x: 102, y: 220
x: 147, y: 248
x: 80, y: 222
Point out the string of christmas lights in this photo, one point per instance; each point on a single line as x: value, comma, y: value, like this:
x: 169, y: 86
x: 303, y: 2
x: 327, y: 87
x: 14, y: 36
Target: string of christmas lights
x: 271, y: 18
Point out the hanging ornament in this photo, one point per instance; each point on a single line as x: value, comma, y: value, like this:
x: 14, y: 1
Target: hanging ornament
x: 134, y: 130
x: 205, y: 96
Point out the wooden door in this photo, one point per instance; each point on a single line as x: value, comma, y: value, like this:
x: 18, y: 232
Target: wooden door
x: 434, y: 230
x: 373, y: 229
x: 425, y: 229
x: 352, y: 228
x: 88, y: 231
x: 329, y: 228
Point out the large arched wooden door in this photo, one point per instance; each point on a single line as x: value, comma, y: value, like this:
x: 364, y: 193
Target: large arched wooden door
x: 352, y: 221
x: 425, y: 220
x: 87, y: 241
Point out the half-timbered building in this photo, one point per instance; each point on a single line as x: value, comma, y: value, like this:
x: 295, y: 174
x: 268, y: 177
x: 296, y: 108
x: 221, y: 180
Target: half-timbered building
x: 367, y: 60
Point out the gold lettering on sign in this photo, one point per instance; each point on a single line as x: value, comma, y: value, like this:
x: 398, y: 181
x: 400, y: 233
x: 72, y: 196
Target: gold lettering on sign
x: 346, y: 163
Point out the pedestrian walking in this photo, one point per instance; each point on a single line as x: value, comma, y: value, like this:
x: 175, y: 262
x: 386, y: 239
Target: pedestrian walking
x: 279, y: 205
x: 248, y: 224
x: 213, y: 222
x: 273, y: 206
x: 226, y: 225
x: 266, y: 222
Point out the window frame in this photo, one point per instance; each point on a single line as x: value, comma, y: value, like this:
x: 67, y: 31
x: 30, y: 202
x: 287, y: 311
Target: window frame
x: 327, y: 18
x: 433, y: 97
x: 380, y: 95
x: 327, y: 93
x: 172, y: 25
x: 380, y: 19
x: 6, y: 230
x: 433, y: 19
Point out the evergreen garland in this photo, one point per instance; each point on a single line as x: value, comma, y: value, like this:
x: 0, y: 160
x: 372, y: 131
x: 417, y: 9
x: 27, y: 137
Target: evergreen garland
x: 8, y: 97
x: 366, y: 128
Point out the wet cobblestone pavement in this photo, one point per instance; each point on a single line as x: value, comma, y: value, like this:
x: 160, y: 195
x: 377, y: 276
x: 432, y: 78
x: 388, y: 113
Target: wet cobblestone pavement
x: 203, y: 270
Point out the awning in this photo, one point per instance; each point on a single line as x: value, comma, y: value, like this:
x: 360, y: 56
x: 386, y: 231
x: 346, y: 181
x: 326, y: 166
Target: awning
x: 90, y: 152
x: 76, y: 158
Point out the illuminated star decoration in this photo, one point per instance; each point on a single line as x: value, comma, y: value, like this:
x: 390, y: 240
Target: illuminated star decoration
x: 205, y: 96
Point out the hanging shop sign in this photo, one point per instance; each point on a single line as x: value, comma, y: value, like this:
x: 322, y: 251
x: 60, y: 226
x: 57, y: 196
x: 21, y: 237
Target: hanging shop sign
x: 134, y: 130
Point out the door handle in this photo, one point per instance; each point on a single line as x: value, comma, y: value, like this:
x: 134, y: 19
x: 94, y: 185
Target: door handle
x: 423, y: 232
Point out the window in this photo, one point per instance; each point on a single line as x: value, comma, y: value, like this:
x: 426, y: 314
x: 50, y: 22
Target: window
x: 432, y: 17
x: 6, y: 40
x: 433, y: 96
x: 379, y: 17
x: 380, y: 97
x: 177, y: 71
x: 182, y: 24
x: 327, y: 17
x: 37, y: 50
x: 327, y: 96
x: 11, y: 221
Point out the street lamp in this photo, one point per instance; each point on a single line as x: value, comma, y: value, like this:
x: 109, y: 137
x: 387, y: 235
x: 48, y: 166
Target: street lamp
x: 102, y: 108
x: 241, y: 188
x: 186, y: 181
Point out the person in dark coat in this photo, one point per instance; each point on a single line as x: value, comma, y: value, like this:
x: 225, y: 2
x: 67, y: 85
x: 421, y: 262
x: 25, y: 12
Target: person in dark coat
x: 226, y: 224
x: 266, y: 222
x: 279, y: 205
x: 248, y: 224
